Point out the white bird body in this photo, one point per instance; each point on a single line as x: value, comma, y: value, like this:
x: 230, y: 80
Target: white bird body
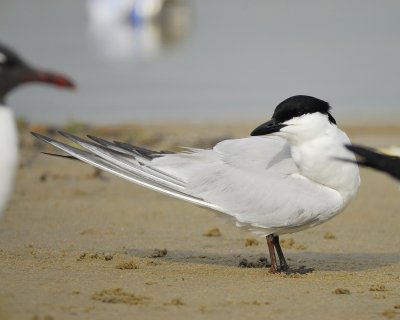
x: 282, y: 179
x: 8, y: 155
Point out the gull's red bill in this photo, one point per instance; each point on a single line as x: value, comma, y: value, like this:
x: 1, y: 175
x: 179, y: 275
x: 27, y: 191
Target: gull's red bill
x: 55, y: 79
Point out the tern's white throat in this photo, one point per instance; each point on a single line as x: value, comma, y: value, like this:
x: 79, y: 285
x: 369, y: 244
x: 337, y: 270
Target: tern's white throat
x: 316, y: 143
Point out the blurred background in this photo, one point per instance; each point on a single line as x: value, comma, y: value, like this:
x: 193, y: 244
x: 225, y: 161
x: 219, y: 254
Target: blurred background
x: 204, y: 60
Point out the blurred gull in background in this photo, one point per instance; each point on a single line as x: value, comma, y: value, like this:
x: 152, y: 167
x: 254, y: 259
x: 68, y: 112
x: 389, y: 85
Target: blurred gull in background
x: 13, y: 72
x: 122, y: 29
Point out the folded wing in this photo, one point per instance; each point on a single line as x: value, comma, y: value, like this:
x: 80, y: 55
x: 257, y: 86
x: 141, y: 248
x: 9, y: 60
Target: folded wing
x: 253, y: 180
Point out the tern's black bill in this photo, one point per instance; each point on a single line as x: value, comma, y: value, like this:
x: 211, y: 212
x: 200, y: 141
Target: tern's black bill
x: 270, y: 126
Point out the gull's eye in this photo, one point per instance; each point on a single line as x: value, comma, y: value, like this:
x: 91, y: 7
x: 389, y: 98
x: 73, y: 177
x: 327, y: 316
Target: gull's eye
x: 3, y: 58
x: 6, y: 60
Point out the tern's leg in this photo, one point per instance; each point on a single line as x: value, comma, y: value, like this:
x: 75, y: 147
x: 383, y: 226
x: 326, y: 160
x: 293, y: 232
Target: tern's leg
x: 283, y: 266
x: 273, y: 243
x: 271, y: 248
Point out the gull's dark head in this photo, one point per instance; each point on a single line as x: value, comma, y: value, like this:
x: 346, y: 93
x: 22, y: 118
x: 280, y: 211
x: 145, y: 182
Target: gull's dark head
x: 15, y: 71
x: 297, y: 111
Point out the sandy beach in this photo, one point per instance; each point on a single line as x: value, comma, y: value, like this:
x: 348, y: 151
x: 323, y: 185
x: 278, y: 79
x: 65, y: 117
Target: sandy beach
x: 76, y: 244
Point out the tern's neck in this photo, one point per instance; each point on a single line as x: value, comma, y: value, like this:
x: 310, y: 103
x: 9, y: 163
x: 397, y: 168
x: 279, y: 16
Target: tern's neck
x: 316, y: 159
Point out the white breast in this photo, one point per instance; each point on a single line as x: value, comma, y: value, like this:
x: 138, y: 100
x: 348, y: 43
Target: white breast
x: 317, y: 160
x: 8, y: 154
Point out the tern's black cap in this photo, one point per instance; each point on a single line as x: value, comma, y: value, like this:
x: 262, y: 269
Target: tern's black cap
x: 299, y: 105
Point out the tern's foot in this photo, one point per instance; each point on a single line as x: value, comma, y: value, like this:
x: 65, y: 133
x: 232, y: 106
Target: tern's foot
x: 260, y: 263
x: 299, y: 270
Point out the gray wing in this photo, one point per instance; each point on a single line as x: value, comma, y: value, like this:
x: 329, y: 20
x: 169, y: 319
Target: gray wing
x: 126, y: 165
x: 256, y: 181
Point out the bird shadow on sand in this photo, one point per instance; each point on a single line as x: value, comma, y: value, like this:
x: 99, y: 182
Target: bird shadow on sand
x: 317, y: 260
x: 352, y: 261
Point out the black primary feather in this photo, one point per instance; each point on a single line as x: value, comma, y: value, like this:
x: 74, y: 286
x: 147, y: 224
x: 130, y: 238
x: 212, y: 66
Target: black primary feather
x: 376, y: 160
